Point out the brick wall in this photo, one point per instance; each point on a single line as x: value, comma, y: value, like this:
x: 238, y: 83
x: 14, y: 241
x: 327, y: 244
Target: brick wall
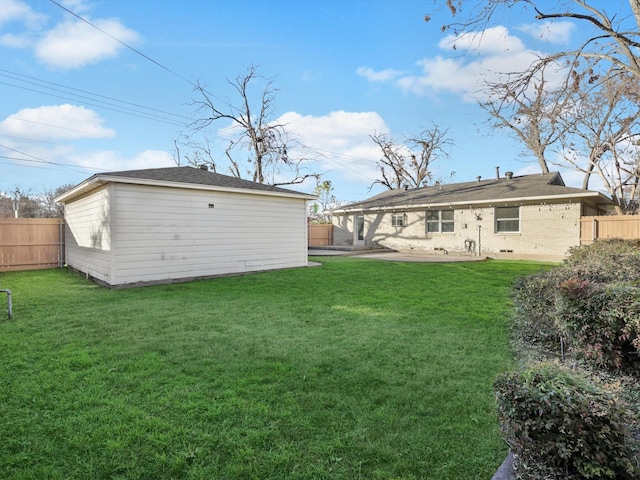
x: 544, y: 230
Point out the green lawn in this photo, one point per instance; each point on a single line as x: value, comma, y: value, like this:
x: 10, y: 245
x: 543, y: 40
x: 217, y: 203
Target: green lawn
x: 355, y: 369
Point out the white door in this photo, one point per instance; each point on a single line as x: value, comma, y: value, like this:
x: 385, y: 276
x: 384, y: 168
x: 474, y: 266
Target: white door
x: 358, y: 231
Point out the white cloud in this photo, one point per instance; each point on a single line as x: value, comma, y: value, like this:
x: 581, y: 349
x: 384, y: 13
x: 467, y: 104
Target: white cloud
x: 465, y: 79
x: 109, y: 160
x: 481, y: 58
x: 15, y: 41
x: 336, y: 127
x: 342, y: 139
x: 381, y: 76
x: 59, y: 122
x: 70, y: 44
x: 488, y: 57
x: 74, y: 44
x: 552, y: 32
x: 16, y: 10
x: 337, y: 144
x: 76, y: 6
x: 492, y: 41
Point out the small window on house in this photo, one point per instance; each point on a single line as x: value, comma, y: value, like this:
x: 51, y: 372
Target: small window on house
x: 397, y: 220
x: 507, y: 219
x: 440, y: 221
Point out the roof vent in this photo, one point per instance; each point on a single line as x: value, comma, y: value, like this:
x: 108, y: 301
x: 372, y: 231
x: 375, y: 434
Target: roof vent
x: 203, y: 167
x: 509, y: 175
x: 478, y: 178
x: 406, y: 187
x: 497, y: 172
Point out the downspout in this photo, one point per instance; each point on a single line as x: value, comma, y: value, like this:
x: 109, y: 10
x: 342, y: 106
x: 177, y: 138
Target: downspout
x: 10, y: 310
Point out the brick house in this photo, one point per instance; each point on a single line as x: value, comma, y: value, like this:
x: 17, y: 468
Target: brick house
x: 519, y: 215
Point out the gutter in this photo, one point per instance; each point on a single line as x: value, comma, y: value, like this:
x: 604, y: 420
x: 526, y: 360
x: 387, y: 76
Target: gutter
x: 490, y: 202
x: 99, y: 180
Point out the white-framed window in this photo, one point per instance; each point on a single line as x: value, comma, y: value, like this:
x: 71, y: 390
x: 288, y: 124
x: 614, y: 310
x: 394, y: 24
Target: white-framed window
x: 440, y: 221
x: 398, y: 220
x: 507, y: 219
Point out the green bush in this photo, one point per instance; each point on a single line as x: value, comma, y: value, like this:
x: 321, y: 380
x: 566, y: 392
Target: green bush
x: 559, y: 425
x: 602, y: 320
x: 534, y: 302
x: 591, y: 301
x: 605, y: 261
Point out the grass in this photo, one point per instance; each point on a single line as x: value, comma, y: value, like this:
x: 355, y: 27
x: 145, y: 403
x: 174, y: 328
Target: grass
x: 355, y: 369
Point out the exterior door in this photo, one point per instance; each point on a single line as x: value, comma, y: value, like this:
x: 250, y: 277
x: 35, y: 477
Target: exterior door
x: 359, y: 230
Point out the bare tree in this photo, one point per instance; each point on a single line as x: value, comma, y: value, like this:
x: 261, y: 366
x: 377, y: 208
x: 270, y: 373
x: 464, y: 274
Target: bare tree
x: 610, y: 38
x: 6, y: 206
x: 26, y: 204
x: 319, y: 210
x: 29, y: 205
x: 391, y: 165
x: 590, y: 114
x: 257, y: 134
x: 49, y: 208
x: 531, y: 115
x: 409, y: 163
x: 603, y: 131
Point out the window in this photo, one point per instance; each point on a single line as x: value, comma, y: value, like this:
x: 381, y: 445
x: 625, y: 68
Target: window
x: 397, y: 220
x: 360, y: 228
x: 440, y: 221
x: 507, y: 219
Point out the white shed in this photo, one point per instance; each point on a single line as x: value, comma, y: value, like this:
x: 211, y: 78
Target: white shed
x: 169, y: 224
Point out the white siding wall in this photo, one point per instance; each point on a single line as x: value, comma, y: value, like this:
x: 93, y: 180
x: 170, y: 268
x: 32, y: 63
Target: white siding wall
x: 544, y: 230
x: 88, y: 236
x: 170, y: 233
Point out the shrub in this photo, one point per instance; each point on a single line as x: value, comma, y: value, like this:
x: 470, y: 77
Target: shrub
x: 601, y: 320
x: 592, y: 301
x: 535, y: 299
x: 559, y: 425
x: 534, y: 302
x: 606, y: 261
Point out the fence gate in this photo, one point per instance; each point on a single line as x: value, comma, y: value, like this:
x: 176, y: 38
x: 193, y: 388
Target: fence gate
x: 31, y: 243
x: 320, y: 234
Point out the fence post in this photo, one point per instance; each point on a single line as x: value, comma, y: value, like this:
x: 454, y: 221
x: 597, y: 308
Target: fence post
x: 61, y: 243
x: 9, y: 307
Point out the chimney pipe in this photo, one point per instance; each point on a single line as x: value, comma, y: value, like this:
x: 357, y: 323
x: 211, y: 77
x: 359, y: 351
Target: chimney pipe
x: 497, y: 172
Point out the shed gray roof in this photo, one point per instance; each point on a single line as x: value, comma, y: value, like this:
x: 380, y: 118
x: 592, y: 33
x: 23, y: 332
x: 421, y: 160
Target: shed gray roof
x: 520, y: 189
x: 177, y: 177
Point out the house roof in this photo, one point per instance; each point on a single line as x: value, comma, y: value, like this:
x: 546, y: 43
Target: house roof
x: 179, y: 177
x: 505, y: 190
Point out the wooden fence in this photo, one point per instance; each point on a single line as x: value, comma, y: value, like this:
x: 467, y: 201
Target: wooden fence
x: 31, y: 243
x: 626, y: 227
x: 320, y: 234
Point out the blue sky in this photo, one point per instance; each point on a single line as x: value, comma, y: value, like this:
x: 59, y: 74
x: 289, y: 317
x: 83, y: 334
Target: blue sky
x: 75, y: 102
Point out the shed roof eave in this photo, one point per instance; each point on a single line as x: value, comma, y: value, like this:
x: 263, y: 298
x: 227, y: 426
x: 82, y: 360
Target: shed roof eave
x: 88, y: 185
x: 100, y: 179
